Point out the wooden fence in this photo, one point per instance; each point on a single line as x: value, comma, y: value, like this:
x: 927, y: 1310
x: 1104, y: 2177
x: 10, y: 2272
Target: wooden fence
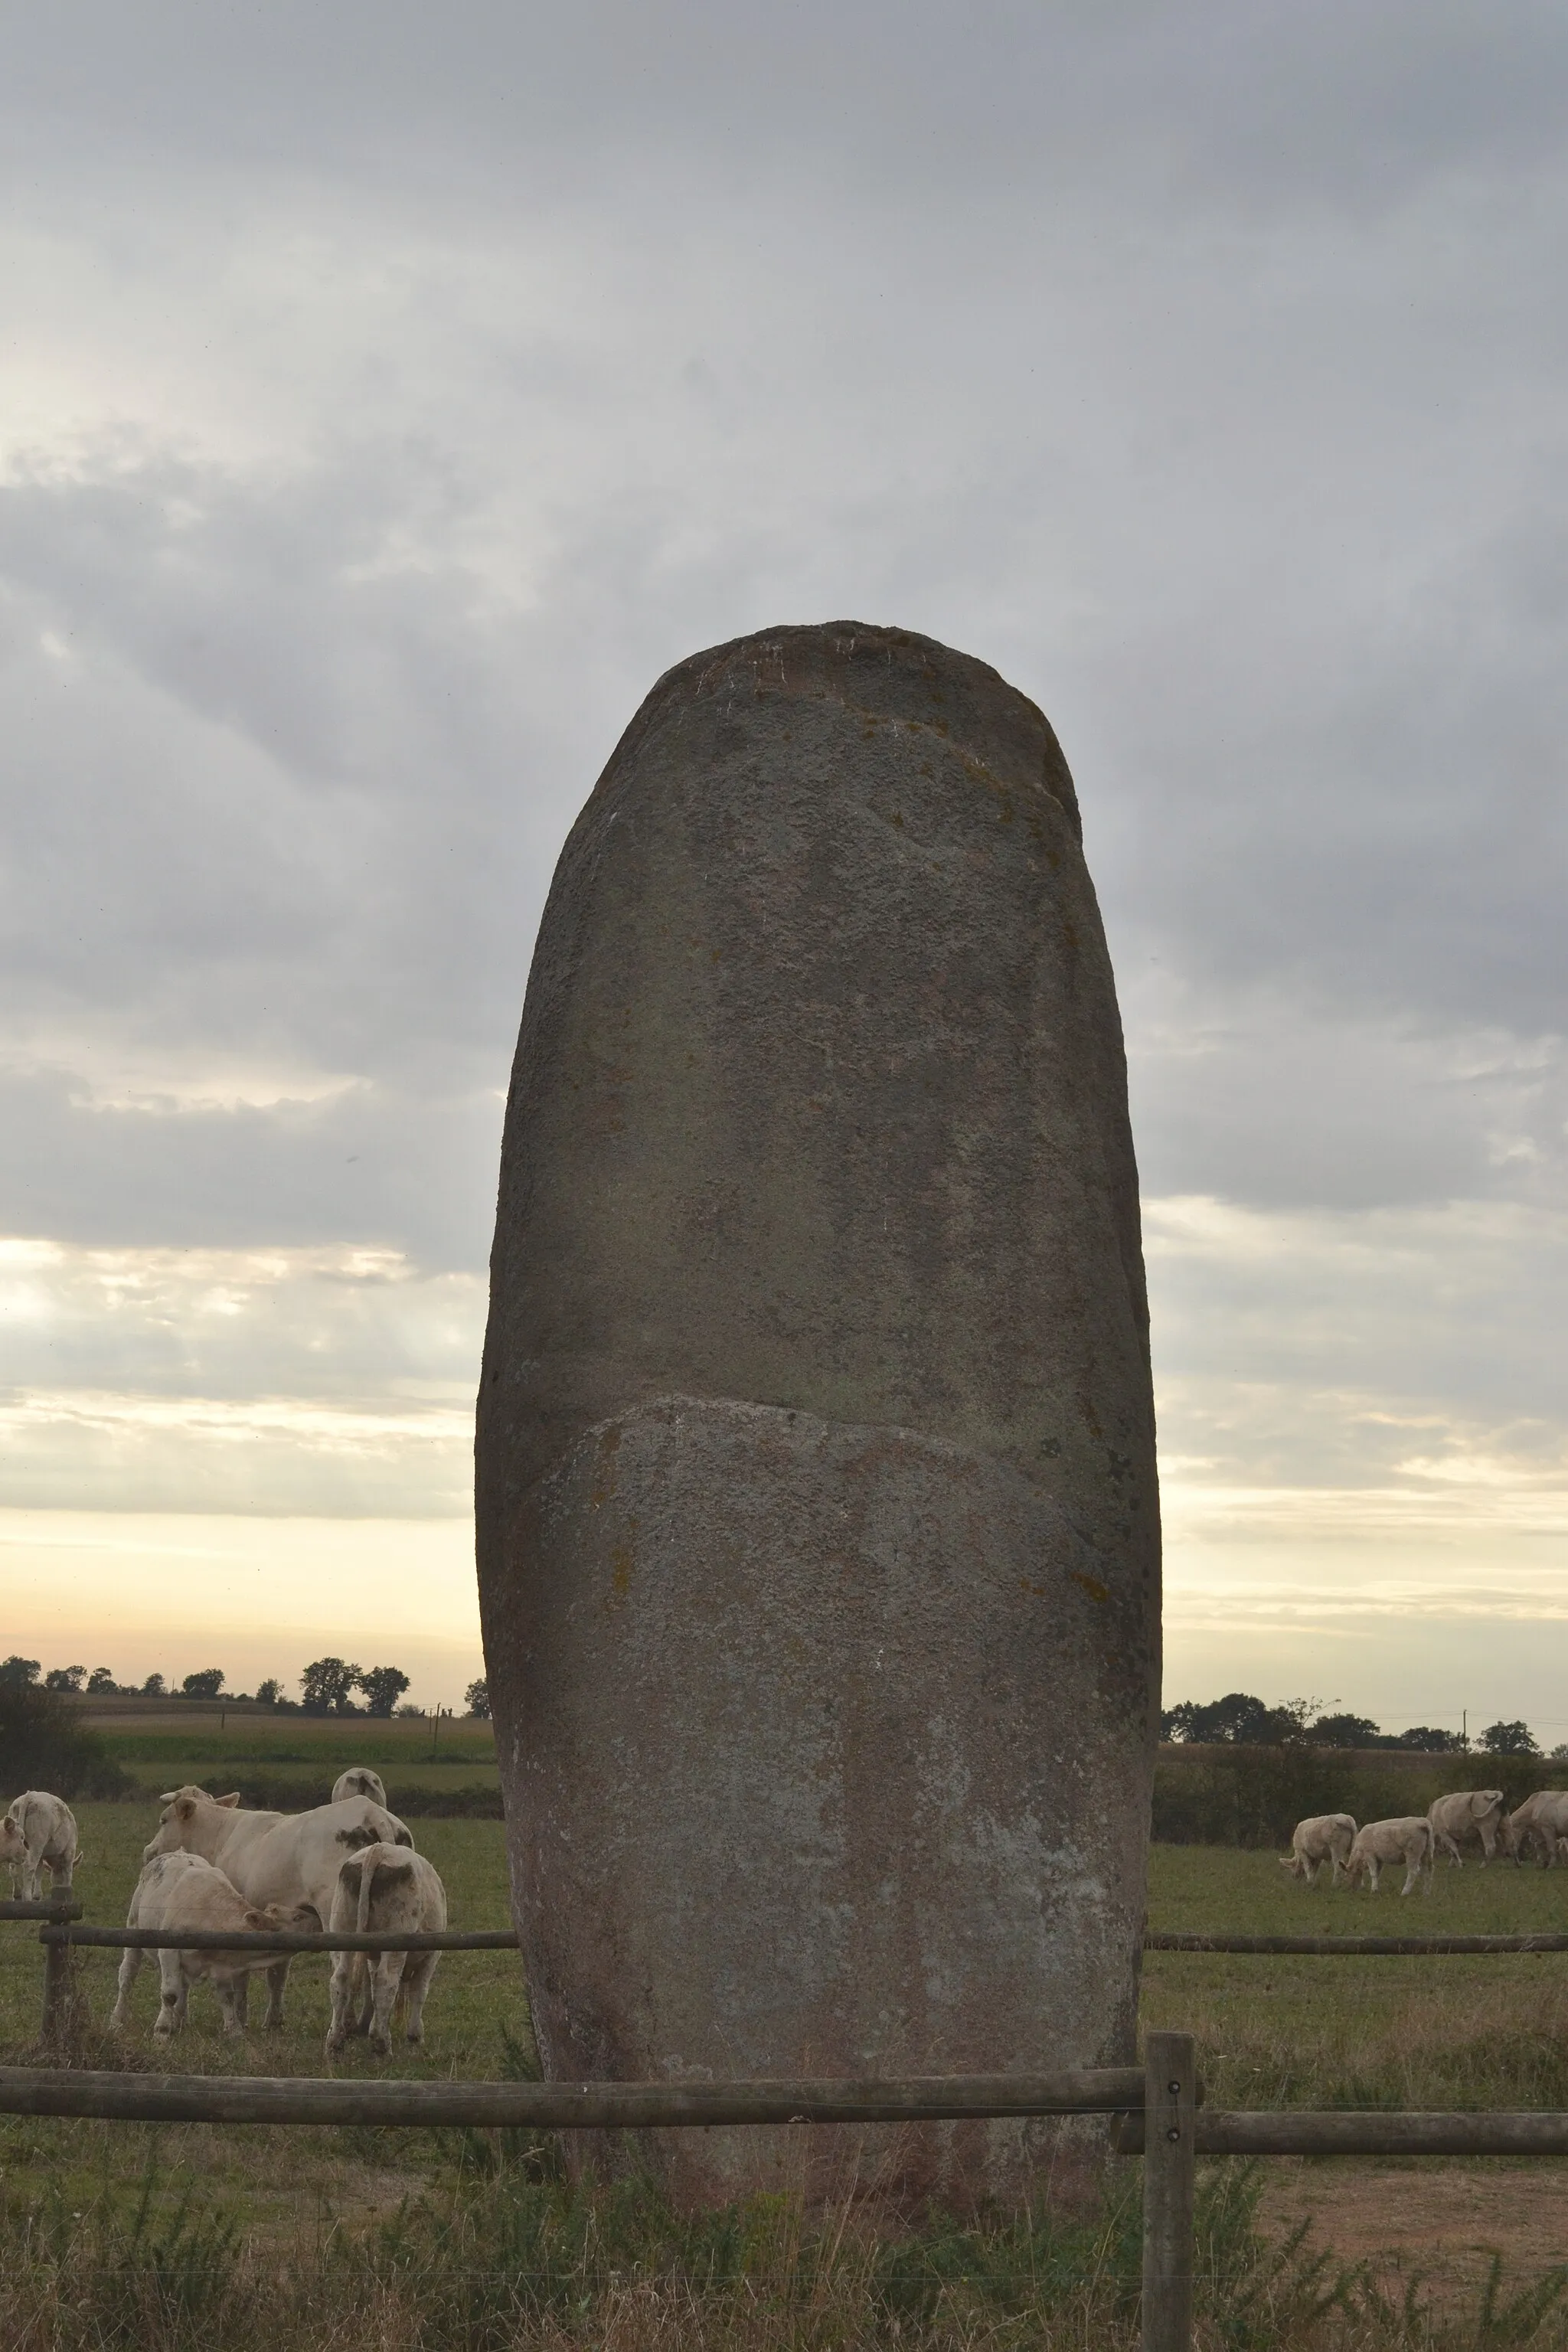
x: 1353, y: 1947
x: 1158, y: 2109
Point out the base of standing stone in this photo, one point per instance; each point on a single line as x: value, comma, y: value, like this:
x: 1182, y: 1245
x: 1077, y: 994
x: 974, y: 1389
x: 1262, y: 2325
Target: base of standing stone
x: 756, y: 1786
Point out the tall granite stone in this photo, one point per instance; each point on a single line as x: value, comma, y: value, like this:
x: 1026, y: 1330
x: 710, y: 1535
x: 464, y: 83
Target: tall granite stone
x: 817, y: 1521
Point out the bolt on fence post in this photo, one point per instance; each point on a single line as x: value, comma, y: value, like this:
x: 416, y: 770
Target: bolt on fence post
x: 1169, y: 2100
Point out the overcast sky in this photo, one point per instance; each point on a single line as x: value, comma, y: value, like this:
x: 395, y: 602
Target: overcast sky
x: 388, y: 395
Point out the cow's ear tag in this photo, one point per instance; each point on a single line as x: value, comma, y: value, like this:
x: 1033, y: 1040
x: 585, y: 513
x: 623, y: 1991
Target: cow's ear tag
x: 227, y: 1801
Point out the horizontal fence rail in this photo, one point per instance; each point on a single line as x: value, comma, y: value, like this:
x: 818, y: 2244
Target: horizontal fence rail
x: 1341, y: 2132
x: 281, y: 1940
x: 58, y: 1927
x: 62, y: 1910
x: 283, y: 2099
x: 1350, y: 1947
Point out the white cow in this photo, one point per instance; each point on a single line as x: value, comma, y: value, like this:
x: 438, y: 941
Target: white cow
x: 1407, y: 1839
x: 284, y: 1858
x: 38, y: 1832
x: 1540, y: 1821
x: 391, y: 1891
x: 1467, y: 1813
x: 1324, y: 1837
x: 178, y: 1891
x: 359, y: 1780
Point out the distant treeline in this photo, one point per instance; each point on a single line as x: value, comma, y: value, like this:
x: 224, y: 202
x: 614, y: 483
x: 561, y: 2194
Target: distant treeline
x: 326, y: 1687
x: 1241, y: 1720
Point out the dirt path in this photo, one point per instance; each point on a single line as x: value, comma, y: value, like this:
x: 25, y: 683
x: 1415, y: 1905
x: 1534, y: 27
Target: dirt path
x: 1444, y: 2220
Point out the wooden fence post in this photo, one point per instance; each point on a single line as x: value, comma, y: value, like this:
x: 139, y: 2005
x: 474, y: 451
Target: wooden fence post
x: 1169, y: 2101
x: 62, y: 2023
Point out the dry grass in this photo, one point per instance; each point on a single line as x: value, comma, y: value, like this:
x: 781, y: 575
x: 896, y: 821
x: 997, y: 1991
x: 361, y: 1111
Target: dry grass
x: 506, y: 2263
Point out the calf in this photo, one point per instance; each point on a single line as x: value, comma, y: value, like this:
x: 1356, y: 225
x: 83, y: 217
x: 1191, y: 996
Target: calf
x: 1407, y: 1839
x: 38, y: 1832
x: 389, y: 1890
x: 1467, y: 1813
x: 1323, y: 1837
x: 359, y: 1780
x: 287, y: 1858
x: 178, y: 1891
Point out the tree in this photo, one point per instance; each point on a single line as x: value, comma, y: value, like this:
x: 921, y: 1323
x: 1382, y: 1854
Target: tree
x: 476, y: 1700
x: 209, y: 1684
x: 383, y: 1688
x: 44, y: 1744
x: 1430, y: 1741
x: 101, y: 1683
x: 153, y: 1688
x: 1510, y: 1740
x: 65, y: 1678
x: 269, y: 1692
x: 1346, y: 1731
x: 1239, y: 1718
x: 326, y: 1684
x: 18, y: 1672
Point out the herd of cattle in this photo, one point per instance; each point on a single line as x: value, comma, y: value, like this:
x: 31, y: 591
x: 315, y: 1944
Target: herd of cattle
x: 350, y: 1864
x: 213, y: 1865
x: 1539, y: 1826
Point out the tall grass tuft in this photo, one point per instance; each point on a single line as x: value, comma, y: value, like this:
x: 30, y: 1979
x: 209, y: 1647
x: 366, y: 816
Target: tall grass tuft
x: 503, y: 2263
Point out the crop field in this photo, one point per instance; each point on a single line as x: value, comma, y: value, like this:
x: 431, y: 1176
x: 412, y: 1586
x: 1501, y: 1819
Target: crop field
x: 193, y: 2234
x: 224, y: 1749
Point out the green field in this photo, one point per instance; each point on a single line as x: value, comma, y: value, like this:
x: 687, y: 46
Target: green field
x: 1436, y: 2032
x: 1450, y: 2033
x: 297, y: 1753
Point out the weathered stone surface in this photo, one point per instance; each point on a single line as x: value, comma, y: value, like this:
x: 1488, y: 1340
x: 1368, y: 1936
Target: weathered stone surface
x: 817, y: 1523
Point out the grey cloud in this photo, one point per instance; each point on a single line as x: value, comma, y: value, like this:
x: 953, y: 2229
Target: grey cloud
x: 404, y: 1170
x: 1342, y: 105
x: 1200, y: 368
x: 1455, y: 1312
x: 1243, y: 1094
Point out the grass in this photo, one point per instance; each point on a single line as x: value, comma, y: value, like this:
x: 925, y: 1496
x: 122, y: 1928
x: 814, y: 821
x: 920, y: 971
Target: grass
x: 1280, y: 2031
x: 176, y: 2236
x: 158, y: 1751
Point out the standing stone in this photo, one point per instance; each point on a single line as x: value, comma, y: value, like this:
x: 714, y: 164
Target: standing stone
x: 817, y: 1522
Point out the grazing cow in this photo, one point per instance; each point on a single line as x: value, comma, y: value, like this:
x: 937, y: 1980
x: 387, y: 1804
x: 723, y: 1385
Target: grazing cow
x: 38, y: 1832
x: 178, y: 1891
x: 1407, y: 1839
x: 1325, y: 1837
x: 359, y: 1780
x: 1537, y: 1823
x: 287, y: 1858
x: 1467, y: 1813
x: 392, y: 1891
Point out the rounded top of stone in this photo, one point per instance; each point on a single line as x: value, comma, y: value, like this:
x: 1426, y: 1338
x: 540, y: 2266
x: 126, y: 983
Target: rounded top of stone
x: 889, y: 674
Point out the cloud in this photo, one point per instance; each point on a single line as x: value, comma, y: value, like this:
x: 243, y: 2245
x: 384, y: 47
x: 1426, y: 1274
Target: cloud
x: 280, y: 1382
x: 1302, y: 1339
x: 388, y: 404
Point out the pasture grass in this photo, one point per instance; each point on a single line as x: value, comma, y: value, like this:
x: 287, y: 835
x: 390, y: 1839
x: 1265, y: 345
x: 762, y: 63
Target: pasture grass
x: 298, y: 2238
x: 1273, y: 2031
x: 160, y: 1751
